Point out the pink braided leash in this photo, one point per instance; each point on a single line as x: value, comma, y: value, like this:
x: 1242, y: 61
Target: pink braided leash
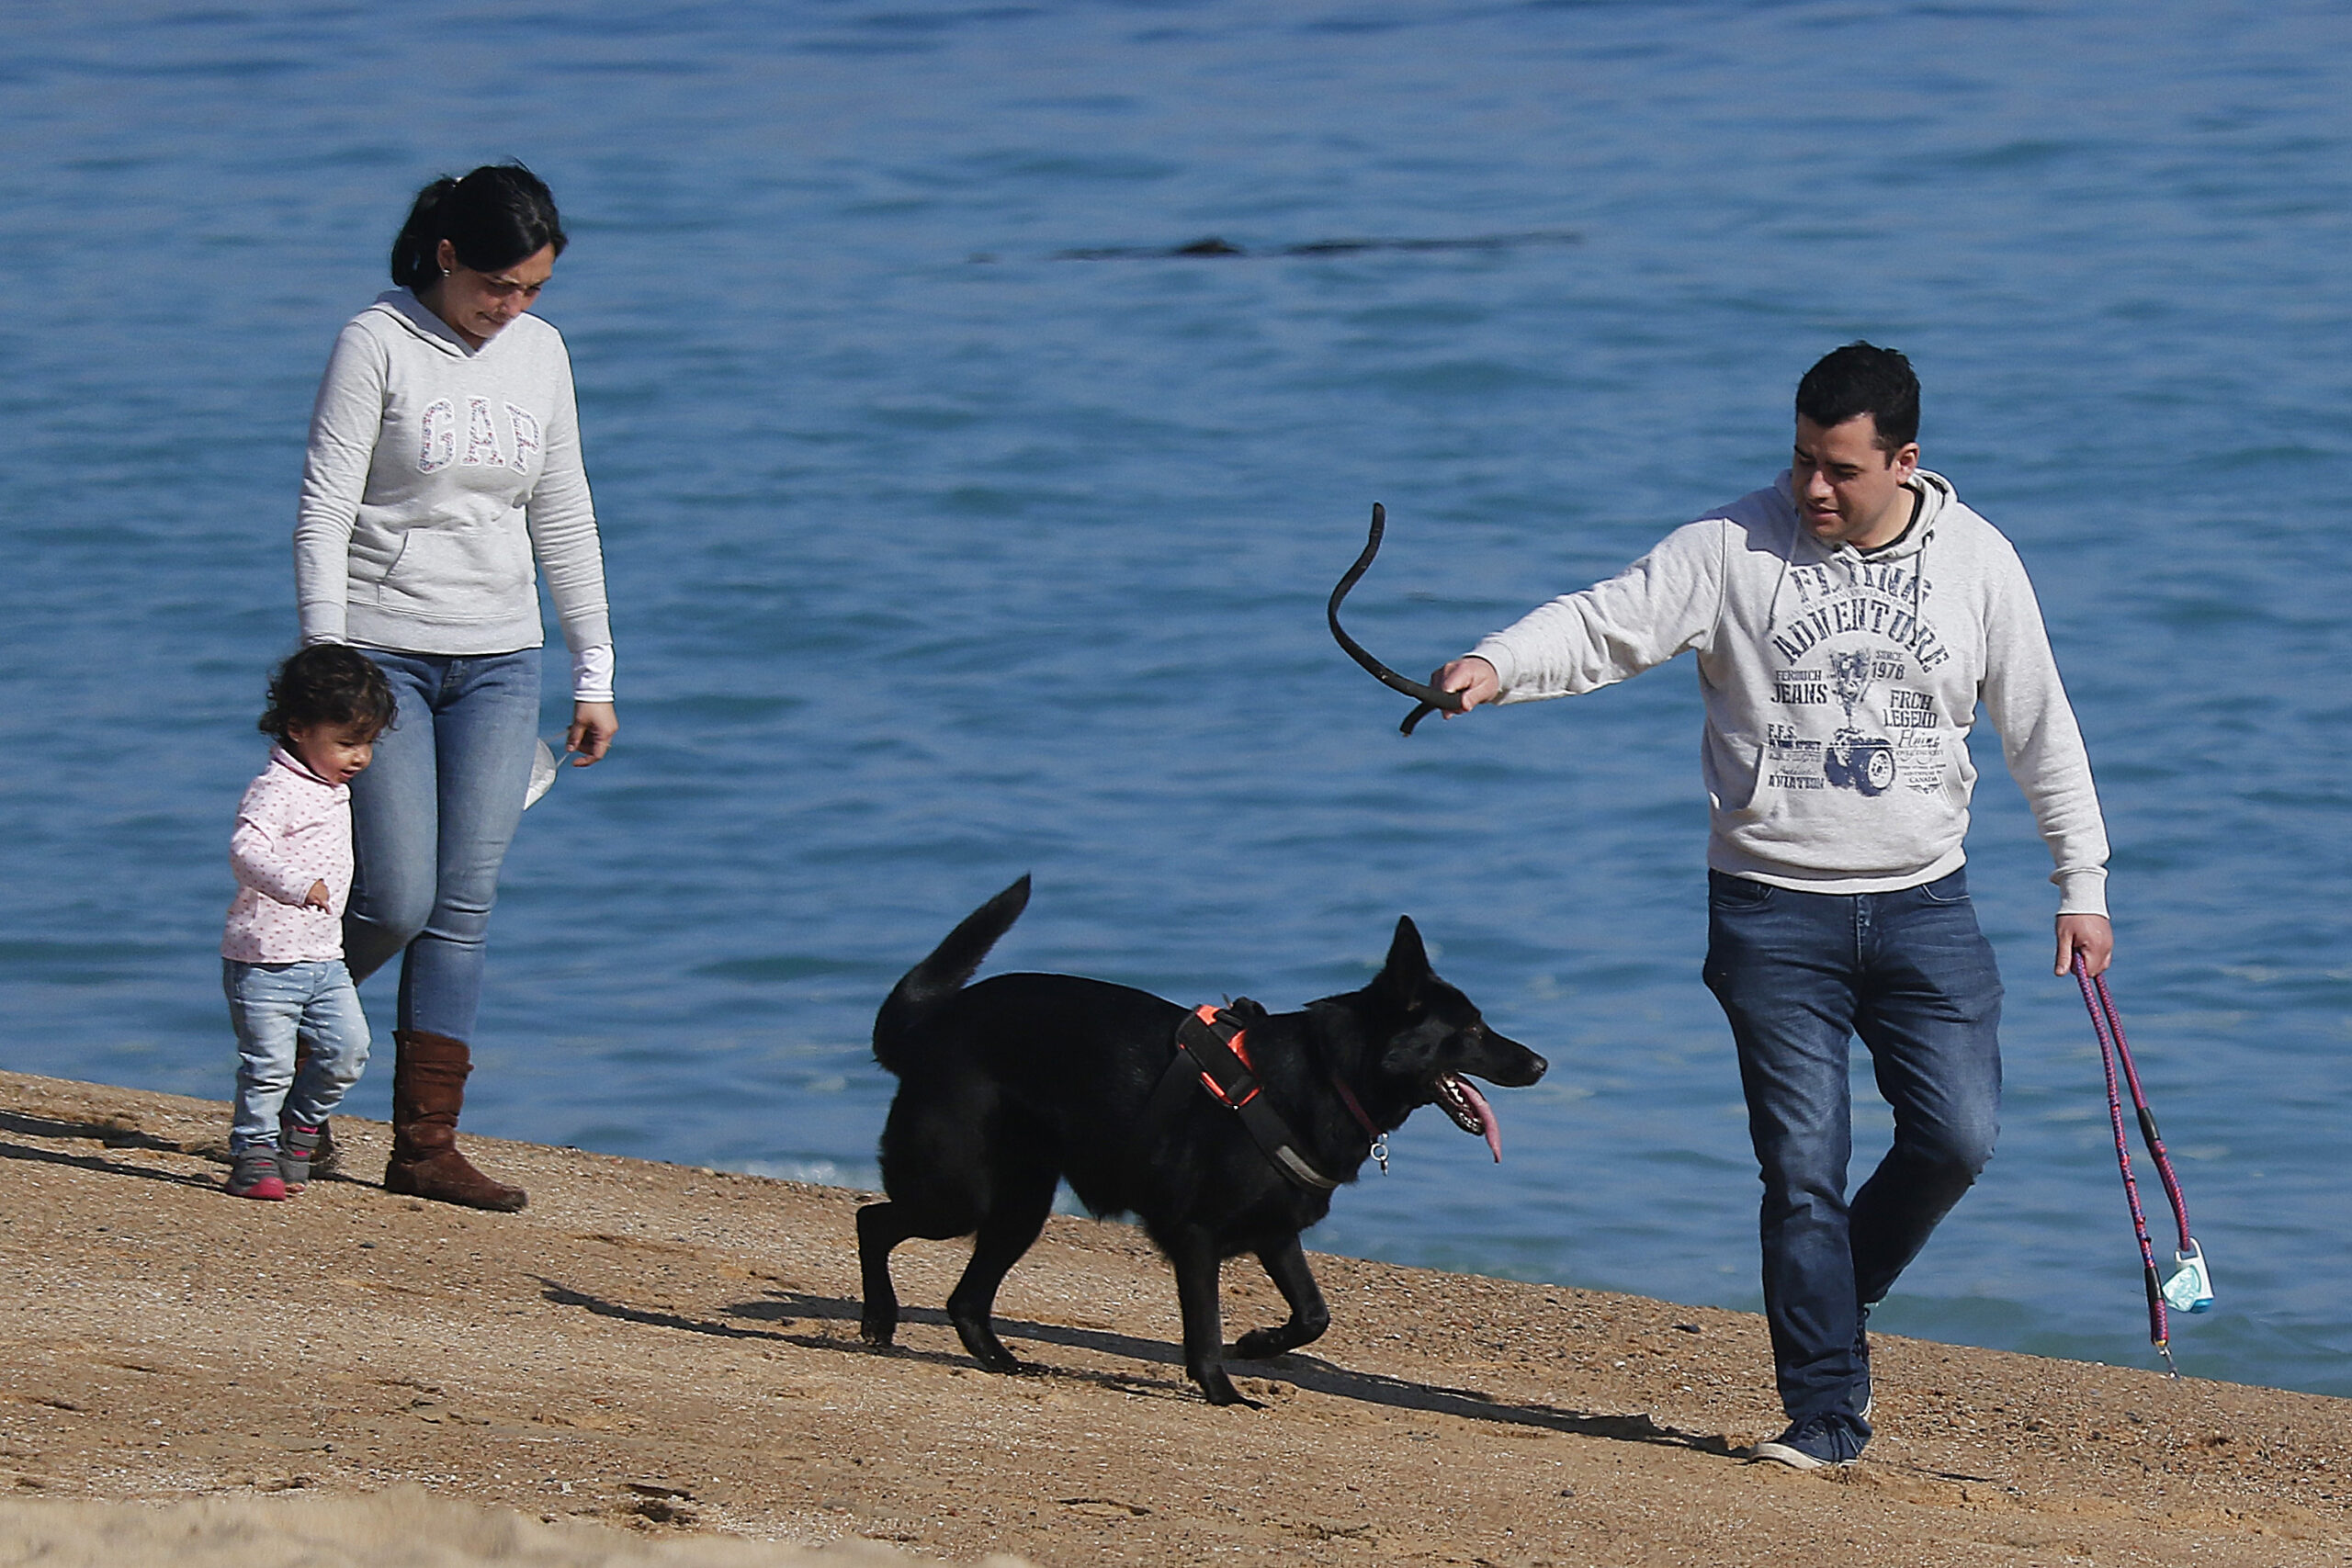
x: 2115, y: 1051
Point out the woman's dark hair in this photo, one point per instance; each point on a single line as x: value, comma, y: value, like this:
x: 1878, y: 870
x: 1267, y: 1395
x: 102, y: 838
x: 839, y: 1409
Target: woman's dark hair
x: 327, y: 683
x: 1863, y: 378
x: 494, y: 217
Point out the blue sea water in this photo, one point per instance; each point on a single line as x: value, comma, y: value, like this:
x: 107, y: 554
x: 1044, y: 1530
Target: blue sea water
x: 938, y: 558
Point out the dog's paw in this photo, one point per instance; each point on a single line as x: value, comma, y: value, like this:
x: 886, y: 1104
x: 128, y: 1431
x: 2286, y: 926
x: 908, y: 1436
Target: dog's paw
x: 1259, y: 1344
x: 1217, y: 1389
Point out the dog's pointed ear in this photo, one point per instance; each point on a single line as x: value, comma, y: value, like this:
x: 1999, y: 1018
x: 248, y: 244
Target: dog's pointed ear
x: 1408, y: 967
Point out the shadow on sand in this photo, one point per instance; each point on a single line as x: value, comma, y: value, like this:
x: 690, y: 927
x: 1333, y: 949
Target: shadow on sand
x: 1310, y: 1373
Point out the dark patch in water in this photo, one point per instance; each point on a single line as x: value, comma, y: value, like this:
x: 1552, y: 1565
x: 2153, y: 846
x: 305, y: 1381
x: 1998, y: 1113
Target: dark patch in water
x: 1212, y: 245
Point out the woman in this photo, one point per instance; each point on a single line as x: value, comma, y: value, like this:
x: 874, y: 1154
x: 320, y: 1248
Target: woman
x: 443, y: 461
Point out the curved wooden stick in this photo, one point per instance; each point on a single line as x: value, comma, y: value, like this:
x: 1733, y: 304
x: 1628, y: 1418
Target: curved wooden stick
x: 1432, y: 700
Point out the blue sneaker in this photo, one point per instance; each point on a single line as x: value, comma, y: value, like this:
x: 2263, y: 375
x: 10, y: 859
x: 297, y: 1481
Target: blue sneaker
x: 1816, y: 1442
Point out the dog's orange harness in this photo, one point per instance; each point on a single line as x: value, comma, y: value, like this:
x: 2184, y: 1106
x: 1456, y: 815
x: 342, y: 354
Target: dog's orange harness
x: 1211, y: 1046
x: 1237, y: 1042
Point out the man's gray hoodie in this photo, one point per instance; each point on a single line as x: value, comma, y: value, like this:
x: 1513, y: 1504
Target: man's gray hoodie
x: 1840, y: 686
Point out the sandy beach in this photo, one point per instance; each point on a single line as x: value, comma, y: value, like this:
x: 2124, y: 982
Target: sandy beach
x: 660, y: 1364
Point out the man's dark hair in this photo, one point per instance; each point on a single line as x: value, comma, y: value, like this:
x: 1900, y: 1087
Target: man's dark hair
x: 1863, y: 378
x: 327, y: 683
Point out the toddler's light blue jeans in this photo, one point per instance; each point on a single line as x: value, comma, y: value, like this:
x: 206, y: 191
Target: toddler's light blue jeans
x: 272, y: 1006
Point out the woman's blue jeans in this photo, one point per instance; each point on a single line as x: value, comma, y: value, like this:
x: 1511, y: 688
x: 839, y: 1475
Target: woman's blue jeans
x: 431, y: 818
x: 1799, y: 975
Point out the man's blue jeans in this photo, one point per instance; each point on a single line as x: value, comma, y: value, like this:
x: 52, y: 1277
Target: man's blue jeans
x: 431, y: 818
x: 1799, y: 975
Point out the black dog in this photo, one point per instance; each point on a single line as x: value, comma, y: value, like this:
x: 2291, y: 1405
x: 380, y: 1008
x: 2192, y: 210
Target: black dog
x: 1022, y: 1080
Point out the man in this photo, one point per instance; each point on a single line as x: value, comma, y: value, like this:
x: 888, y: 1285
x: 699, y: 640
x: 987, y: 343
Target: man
x: 1846, y: 621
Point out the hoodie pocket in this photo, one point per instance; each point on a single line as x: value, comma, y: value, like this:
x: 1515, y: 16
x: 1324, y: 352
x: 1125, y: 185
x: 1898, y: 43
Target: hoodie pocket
x: 460, y: 573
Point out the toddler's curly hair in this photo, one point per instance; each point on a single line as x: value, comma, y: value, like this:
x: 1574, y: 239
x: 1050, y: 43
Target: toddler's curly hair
x: 327, y: 683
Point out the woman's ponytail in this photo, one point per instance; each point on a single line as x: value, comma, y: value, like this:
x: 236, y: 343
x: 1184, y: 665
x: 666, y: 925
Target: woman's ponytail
x: 416, y: 254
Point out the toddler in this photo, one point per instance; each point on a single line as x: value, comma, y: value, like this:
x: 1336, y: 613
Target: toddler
x: 282, y: 953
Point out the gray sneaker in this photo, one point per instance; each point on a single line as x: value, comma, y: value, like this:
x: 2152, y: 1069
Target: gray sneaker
x: 327, y: 1158
x: 1816, y: 1443
x: 298, y: 1151
x: 253, y: 1173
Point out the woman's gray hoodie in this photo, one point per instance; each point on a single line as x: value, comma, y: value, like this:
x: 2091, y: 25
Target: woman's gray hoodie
x: 435, y: 473
x: 1839, y: 686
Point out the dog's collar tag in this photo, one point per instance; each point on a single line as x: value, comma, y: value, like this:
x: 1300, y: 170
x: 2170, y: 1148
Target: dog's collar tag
x: 1355, y: 1109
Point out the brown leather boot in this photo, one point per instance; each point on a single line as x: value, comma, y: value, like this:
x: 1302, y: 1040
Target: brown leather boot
x: 428, y: 1090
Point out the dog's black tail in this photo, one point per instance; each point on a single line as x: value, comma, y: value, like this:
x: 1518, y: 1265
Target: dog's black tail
x: 942, y: 975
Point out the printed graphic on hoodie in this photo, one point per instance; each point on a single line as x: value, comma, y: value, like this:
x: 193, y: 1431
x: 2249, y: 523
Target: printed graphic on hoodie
x: 440, y: 425
x: 1857, y: 637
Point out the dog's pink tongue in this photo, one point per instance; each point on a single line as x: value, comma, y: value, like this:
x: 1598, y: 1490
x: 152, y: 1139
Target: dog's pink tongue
x: 1485, y: 1114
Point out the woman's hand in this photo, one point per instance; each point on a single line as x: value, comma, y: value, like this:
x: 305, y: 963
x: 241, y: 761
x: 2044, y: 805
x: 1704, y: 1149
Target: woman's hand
x: 594, y: 724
